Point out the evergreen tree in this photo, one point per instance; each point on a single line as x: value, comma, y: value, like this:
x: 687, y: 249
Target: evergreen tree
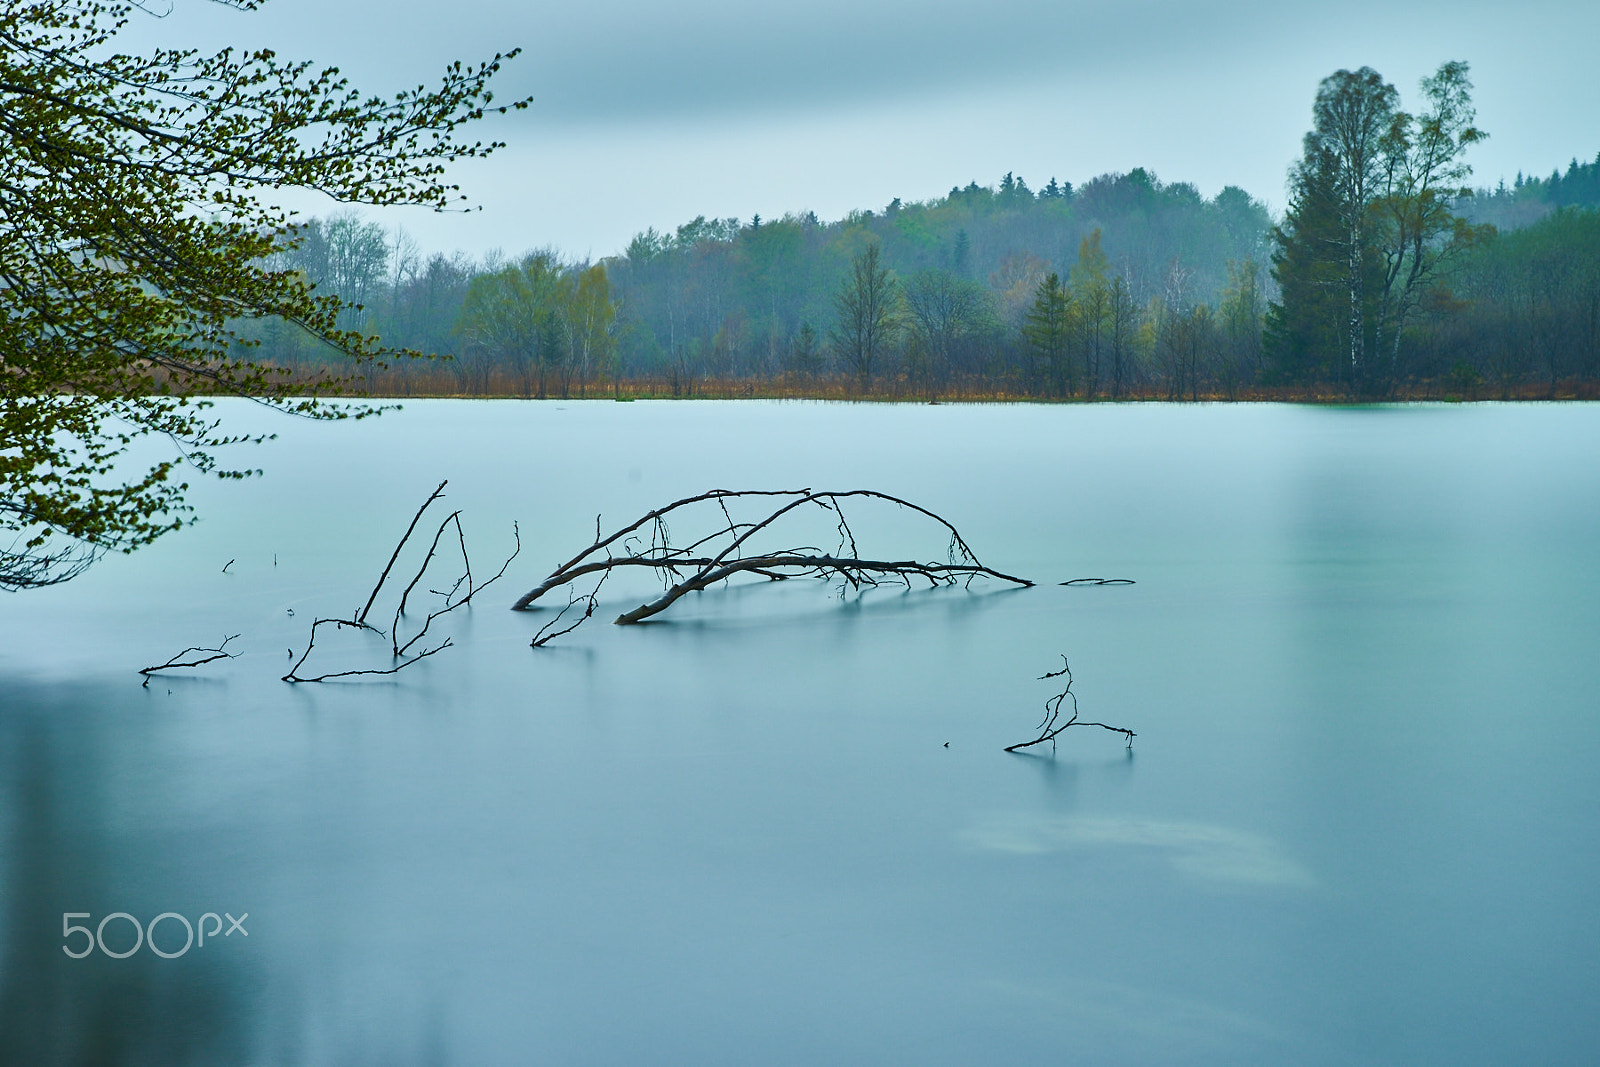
x: 1046, y: 328
x: 1306, y: 328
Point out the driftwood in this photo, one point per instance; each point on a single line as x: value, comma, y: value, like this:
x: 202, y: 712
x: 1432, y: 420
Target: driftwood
x: 457, y: 595
x: 728, y: 551
x: 173, y: 663
x: 1051, y: 726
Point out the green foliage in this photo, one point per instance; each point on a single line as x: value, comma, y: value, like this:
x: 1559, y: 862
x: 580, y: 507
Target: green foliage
x: 1046, y: 329
x: 1524, y: 307
x: 132, y: 246
x: 1307, y: 327
x: 681, y: 293
x: 517, y: 317
x: 1091, y: 293
x: 1239, y: 318
x: 1530, y: 199
x: 1370, y: 223
x: 716, y: 299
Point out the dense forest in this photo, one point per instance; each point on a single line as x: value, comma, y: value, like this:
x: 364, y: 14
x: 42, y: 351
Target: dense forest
x: 1126, y: 286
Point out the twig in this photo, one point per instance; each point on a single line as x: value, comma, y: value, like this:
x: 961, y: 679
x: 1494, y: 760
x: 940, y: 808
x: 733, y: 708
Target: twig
x: 293, y: 676
x: 451, y: 601
x: 406, y: 594
x: 362, y: 618
x: 1048, y: 730
x: 220, y: 652
x: 1098, y: 581
x: 547, y: 632
x: 450, y: 605
x: 311, y: 643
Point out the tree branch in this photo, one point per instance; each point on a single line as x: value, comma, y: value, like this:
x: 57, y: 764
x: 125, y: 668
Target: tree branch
x: 220, y: 652
x: 726, y: 552
x: 362, y: 617
x: 452, y: 601
x: 1048, y: 727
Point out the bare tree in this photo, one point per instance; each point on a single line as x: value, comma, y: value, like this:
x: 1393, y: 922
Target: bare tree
x: 865, y: 304
x: 945, y: 313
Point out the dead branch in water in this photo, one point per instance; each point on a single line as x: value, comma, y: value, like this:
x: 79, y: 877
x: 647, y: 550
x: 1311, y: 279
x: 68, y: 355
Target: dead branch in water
x: 726, y: 552
x: 435, y: 495
x: 454, y: 597
x: 220, y: 652
x: 589, y: 600
x: 293, y: 675
x: 1097, y: 581
x: 451, y: 600
x: 1048, y: 728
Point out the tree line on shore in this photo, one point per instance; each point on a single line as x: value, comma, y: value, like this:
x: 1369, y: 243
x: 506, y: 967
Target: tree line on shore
x: 1387, y: 276
x: 150, y: 275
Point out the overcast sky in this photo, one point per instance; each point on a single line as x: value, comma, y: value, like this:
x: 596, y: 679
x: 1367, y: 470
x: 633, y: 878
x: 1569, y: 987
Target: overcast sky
x: 648, y: 114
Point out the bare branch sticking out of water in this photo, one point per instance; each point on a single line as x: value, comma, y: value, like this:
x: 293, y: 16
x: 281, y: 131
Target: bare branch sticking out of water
x: 1098, y: 581
x: 172, y: 664
x: 729, y: 550
x: 457, y: 594
x: 435, y: 495
x: 1051, y: 726
x: 451, y: 600
x: 589, y: 600
x: 294, y: 676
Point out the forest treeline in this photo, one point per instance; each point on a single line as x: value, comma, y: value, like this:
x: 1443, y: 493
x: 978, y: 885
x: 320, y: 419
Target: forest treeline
x: 1126, y: 286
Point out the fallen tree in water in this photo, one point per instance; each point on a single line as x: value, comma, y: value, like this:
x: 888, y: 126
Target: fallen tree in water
x: 733, y: 548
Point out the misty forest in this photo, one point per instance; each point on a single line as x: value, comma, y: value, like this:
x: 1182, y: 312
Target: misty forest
x: 1124, y: 287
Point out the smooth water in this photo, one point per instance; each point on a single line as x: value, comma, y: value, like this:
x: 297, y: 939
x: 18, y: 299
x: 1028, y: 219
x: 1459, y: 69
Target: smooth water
x: 1360, y: 823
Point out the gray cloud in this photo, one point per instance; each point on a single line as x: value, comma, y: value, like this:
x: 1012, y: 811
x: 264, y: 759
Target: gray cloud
x: 649, y: 114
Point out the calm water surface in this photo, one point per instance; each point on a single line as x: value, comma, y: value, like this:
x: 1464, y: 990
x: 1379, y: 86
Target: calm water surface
x: 1360, y: 823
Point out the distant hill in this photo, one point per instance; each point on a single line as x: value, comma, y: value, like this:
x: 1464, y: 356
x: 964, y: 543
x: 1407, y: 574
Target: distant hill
x: 1527, y: 200
x: 749, y: 290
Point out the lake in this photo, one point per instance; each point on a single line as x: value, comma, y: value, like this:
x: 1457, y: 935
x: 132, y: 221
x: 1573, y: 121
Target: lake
x: 1360, y: 823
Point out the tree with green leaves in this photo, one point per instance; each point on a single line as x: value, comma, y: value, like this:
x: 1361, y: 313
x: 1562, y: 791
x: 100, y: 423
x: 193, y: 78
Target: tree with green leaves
x: 1352, y: 121
x: 515, y: 318
x: 1091, y: 298
x: 592, y: 314
x: 1419, y: 228
x: 1122, y: 320
x: 134, y: 242
x: 1374, y: 193
x: 1239, y: 321
x: 1306, y: 330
